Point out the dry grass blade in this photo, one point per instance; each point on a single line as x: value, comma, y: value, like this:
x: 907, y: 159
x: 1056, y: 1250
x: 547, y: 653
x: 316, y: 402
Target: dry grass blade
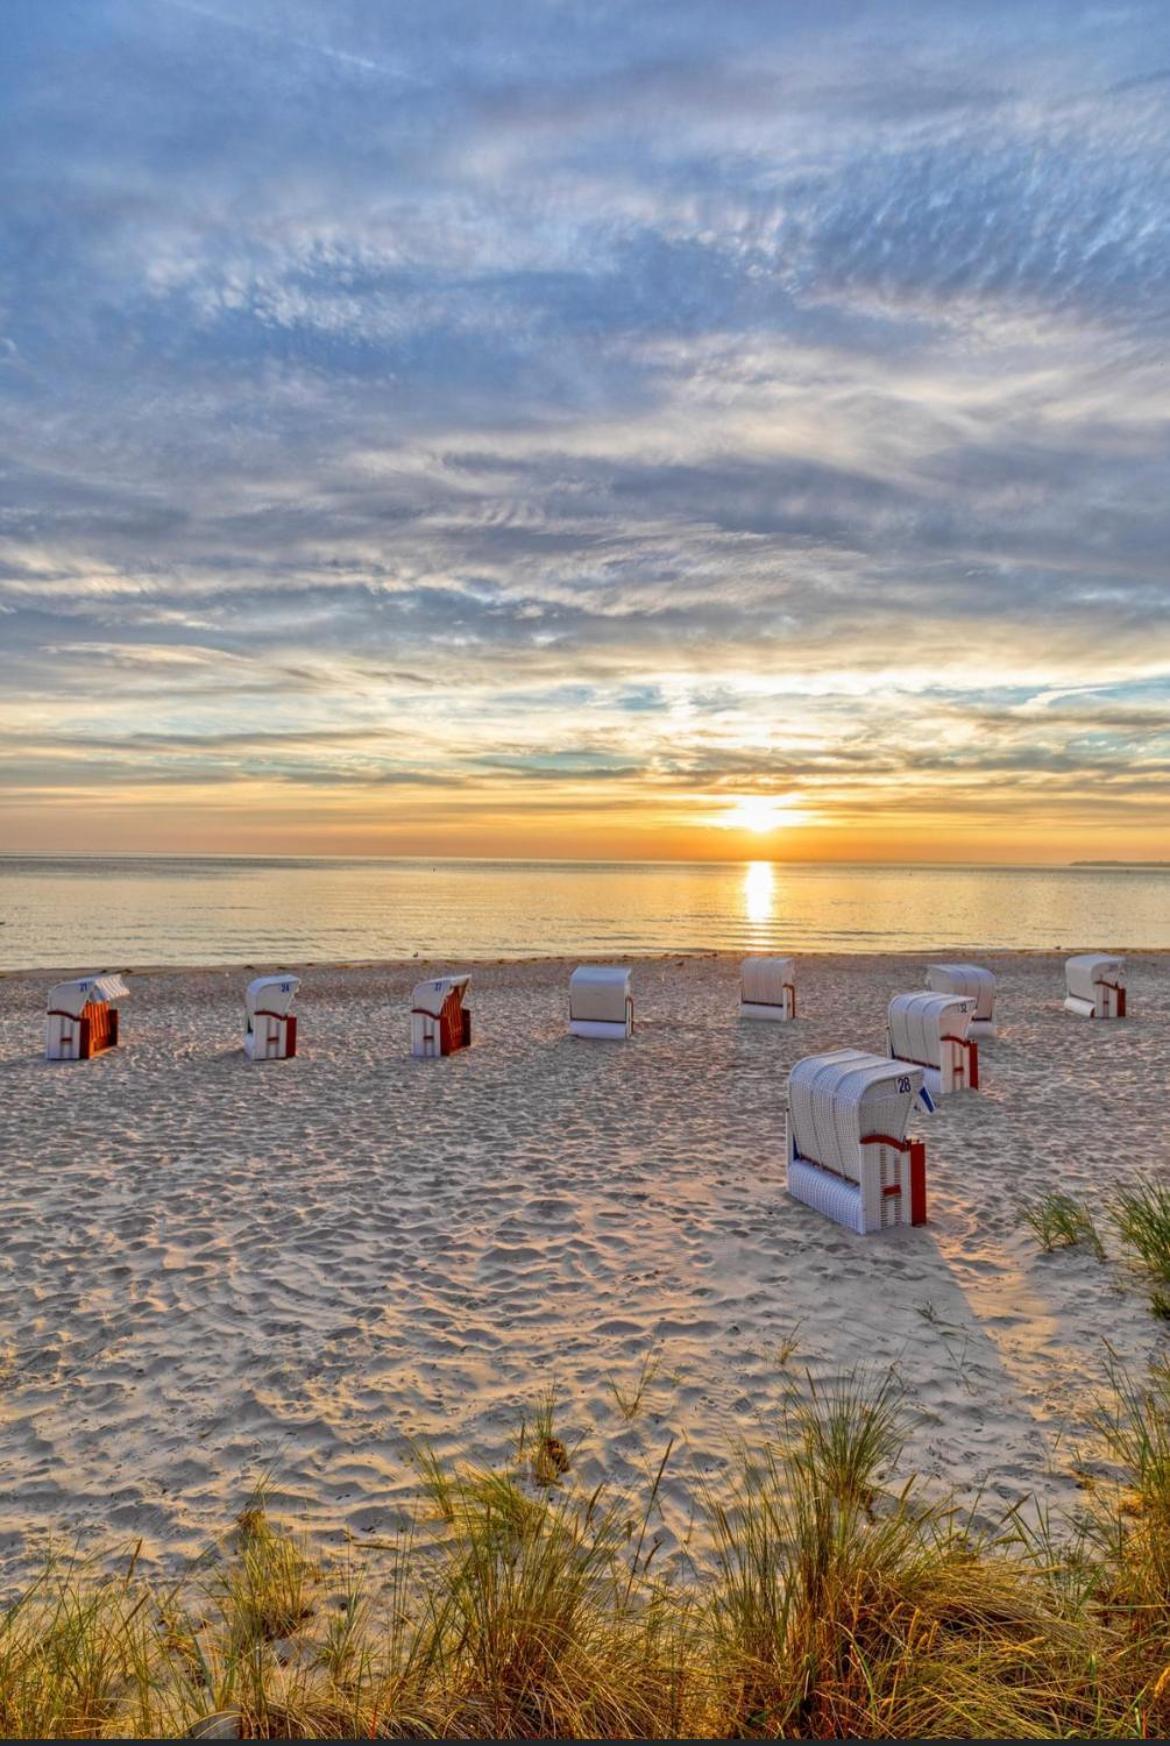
x: 631, y: 1398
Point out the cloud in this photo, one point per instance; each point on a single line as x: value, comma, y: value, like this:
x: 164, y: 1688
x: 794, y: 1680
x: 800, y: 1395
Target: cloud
x: 647, y: 402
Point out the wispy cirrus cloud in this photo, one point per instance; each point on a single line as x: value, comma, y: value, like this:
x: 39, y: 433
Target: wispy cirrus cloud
x: 636, y: 406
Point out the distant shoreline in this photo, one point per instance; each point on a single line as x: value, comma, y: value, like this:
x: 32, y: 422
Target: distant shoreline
x: 286, y: 859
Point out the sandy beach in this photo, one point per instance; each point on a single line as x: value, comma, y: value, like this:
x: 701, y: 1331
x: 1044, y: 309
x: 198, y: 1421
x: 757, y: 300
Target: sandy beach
x: 212, y: 1270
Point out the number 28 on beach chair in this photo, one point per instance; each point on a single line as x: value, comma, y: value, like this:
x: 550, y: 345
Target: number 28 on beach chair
x: 80, y: 1022
x: 930, y: 1031
x: 848, y: 1155
x: 270, y: 1026
x: 439, y: 1022
x: 1095, y: 985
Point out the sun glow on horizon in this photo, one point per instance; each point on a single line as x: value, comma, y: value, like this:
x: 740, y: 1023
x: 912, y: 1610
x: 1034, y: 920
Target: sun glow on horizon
x: 759, y: 813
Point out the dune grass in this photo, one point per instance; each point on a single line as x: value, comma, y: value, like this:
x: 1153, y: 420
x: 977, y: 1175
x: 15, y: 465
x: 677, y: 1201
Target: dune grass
x: 840, y: 1603
x: 1060, y: 1221
x: 1141, y: 1215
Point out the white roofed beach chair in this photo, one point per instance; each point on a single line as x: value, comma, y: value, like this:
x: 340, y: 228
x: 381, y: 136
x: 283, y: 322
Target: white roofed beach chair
x: 270, y: 1026
x: 974, y: 982
x: 80, y: 1022
x: 931, y: 1031
x: 1095, y: 985
x: 767, y: 988
x: 440, y: 1023
x: 601, y: 1002
x: 848, y: 1155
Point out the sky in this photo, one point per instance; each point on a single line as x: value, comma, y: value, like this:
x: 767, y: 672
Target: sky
x: 664, y: 429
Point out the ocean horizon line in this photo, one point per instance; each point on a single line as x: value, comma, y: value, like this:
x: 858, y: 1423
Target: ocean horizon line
x: 288, y: 857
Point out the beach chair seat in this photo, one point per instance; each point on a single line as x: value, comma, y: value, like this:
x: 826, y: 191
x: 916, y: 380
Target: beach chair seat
x: 767, y: 989
x: 973, y: 981
x: 270, y: 1026
x: 930, y: 1031
x: 848, y: 1154
x: 80, y: 1021
x: 601, y: 1002
x: 1095, y: 985
x: 440, y: 1023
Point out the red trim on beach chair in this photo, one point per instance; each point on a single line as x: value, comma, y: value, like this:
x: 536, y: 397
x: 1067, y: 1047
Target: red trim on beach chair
x: 887, y: 1140
x: 451, y: 1024
x: 453, y: 1019
x: 99, y: 1028
x: 94, y: 1029
x: 1119, y: 991
x: 917, y: 1151
x: 288, y: 1020
x: 918, y: 1182
x: 972, y: 1049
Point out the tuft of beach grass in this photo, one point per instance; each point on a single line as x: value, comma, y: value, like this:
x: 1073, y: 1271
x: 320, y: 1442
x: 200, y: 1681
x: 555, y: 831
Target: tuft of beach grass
x: 1141, y: 1215
x: 631, y: 1397
x: 842, y: 1604
x: 1060, y: 1221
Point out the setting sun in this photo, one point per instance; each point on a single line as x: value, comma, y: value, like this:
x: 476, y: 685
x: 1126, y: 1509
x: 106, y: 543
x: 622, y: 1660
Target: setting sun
x: 759, y: 813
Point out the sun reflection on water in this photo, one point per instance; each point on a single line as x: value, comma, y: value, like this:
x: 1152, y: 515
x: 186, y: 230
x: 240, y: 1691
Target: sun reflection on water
x: 758, y: 892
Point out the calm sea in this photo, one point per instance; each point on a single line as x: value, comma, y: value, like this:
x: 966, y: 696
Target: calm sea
x: 128, y: 910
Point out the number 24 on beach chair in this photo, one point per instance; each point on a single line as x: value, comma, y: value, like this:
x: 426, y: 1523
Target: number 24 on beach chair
x: 270, y: 1026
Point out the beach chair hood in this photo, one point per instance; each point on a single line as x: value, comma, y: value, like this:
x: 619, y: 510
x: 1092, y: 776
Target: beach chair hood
x: 599, y: 993
x: 919, y: 1022
x: 971, y: 980
x: 837, y: 1100
x: 766, y: 981
x: 428, y: 997
x: 274, y: 994
x: 73, y: 997
x: 1085, y: 972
